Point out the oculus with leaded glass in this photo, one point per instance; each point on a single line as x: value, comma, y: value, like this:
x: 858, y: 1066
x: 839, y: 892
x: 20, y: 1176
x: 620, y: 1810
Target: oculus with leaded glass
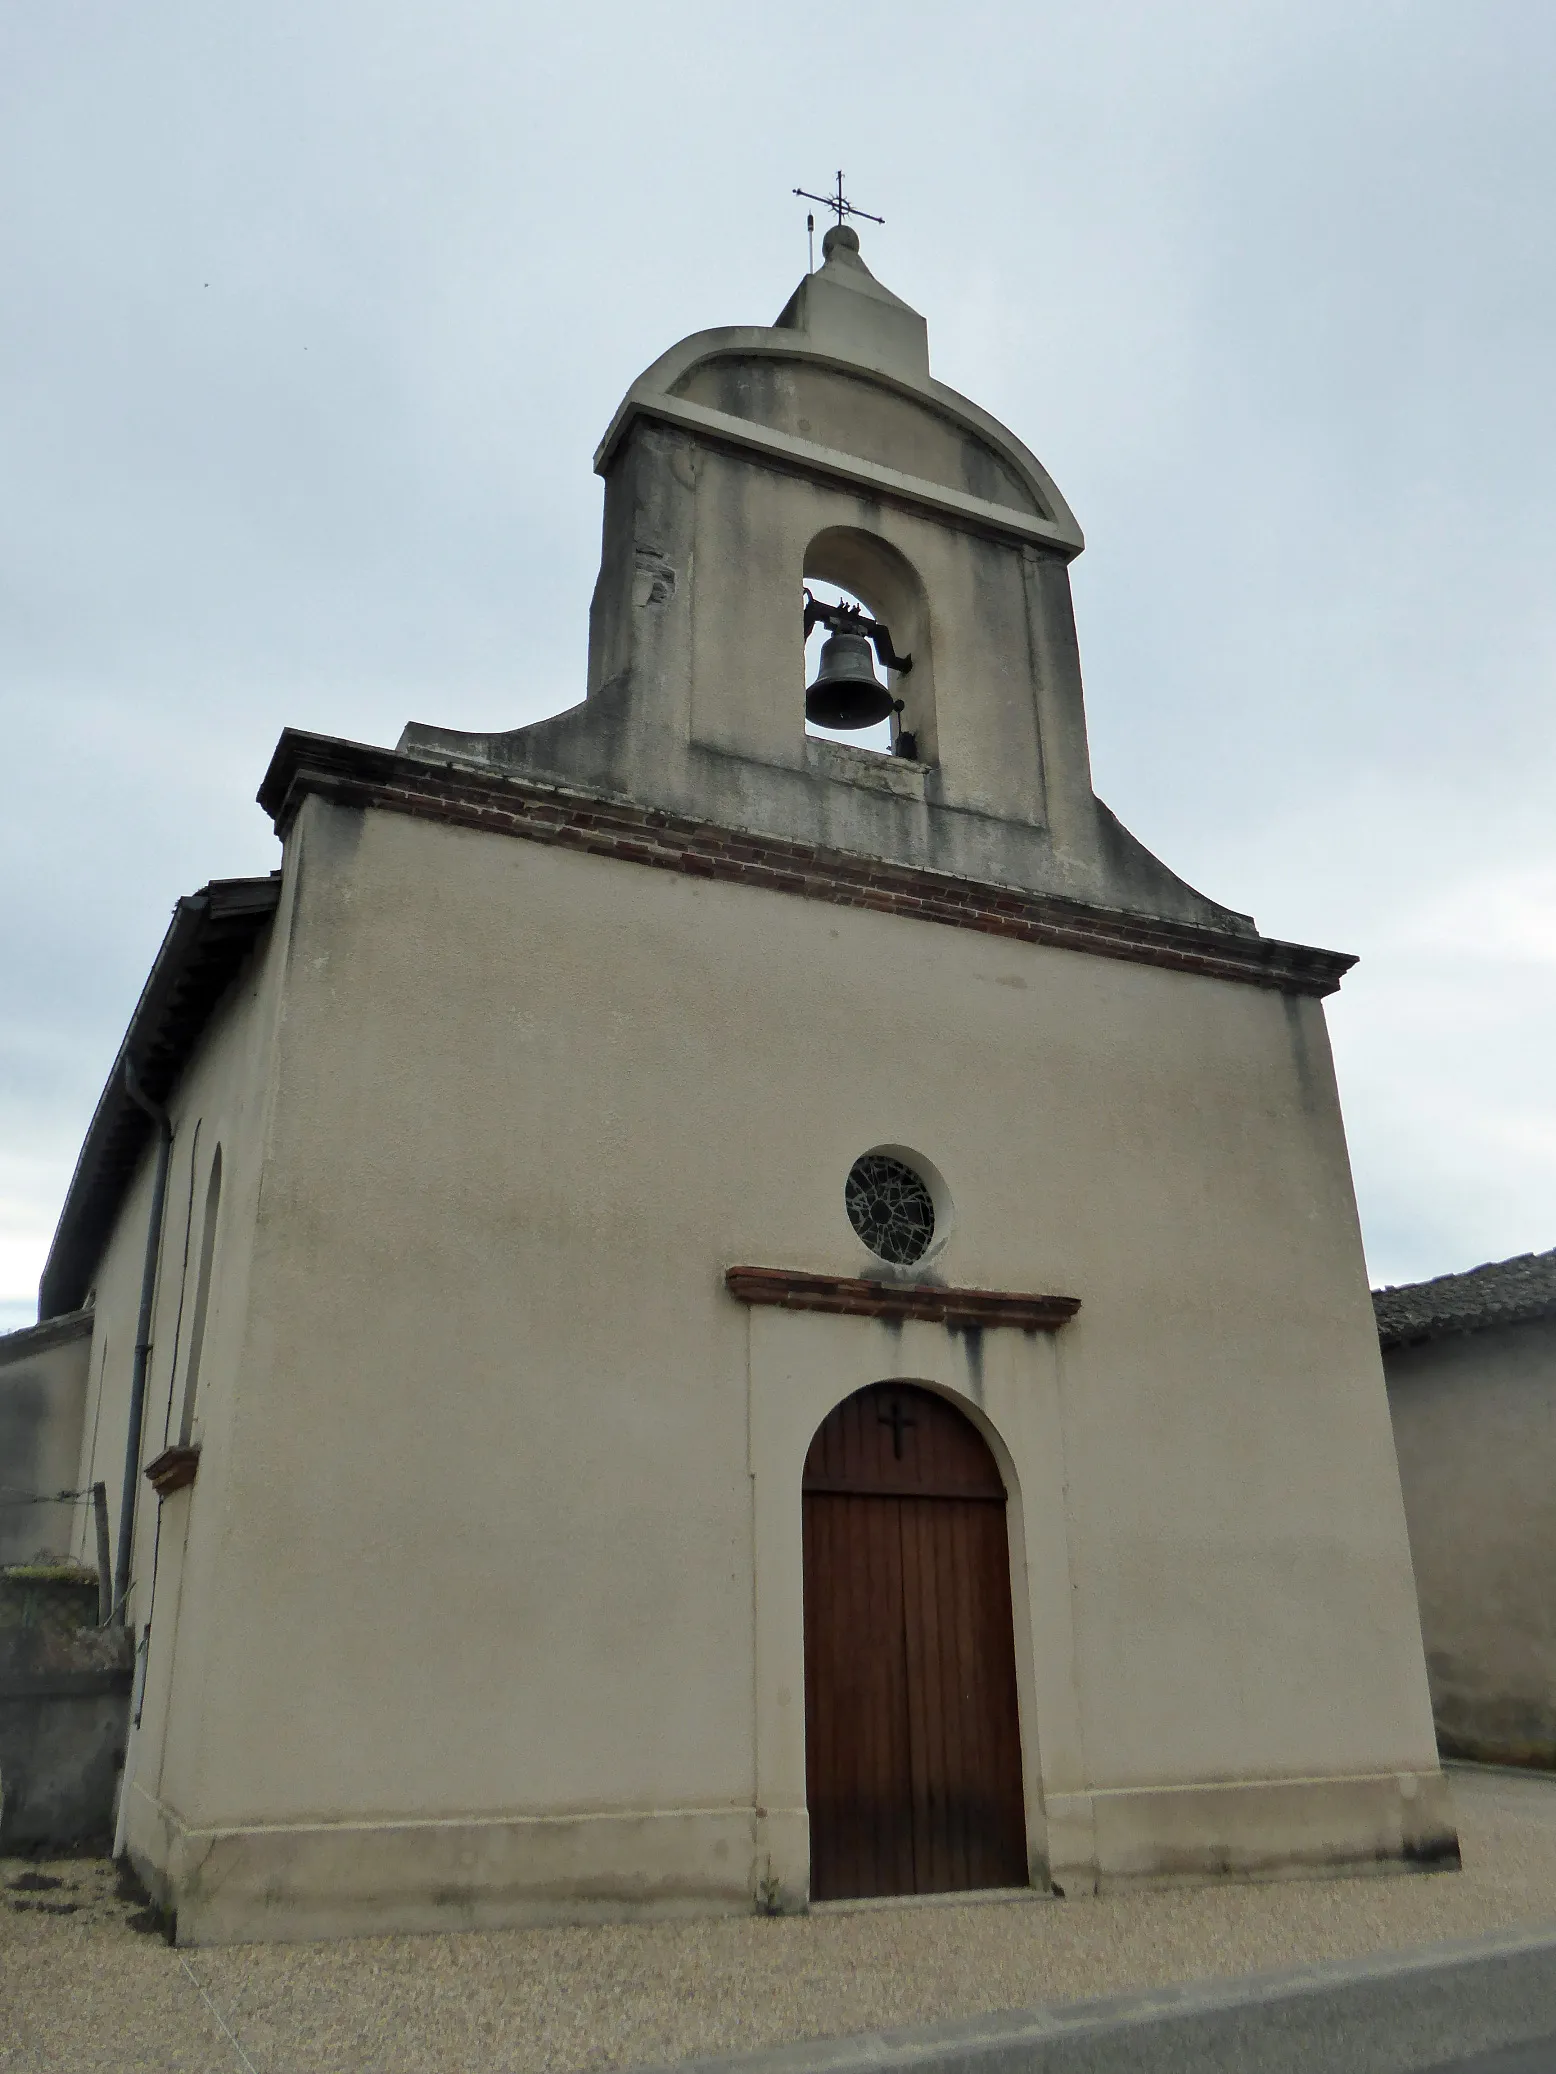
x: 890, y: 1207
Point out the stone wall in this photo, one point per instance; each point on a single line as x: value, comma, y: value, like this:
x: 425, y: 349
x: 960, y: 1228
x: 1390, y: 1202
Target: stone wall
x: 64, y: 1705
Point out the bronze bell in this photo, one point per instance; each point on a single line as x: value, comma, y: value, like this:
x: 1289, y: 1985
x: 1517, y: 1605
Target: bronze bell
x: 847, y: 693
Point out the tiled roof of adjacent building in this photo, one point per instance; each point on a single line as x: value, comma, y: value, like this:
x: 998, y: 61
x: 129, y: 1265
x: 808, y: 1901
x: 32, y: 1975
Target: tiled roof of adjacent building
x: 1503, y: 1292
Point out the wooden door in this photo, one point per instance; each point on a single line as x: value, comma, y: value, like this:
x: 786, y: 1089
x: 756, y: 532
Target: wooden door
x: 912, y: 1742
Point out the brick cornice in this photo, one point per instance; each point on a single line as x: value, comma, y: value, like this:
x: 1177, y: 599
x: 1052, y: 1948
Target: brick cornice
x: 353, y: 774
x: 848, y: 1296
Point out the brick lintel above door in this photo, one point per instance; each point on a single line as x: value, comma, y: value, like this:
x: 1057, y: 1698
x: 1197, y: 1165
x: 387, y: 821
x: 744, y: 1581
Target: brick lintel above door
x: 852, y: 1296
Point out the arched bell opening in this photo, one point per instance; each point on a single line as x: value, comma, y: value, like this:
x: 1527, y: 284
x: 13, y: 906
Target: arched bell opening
x: 868, y: 673
x: 848, y: 696
x: 914, y: 1778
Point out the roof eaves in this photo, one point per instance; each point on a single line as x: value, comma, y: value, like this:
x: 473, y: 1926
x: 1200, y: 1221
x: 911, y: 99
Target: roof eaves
x: 208, y: 939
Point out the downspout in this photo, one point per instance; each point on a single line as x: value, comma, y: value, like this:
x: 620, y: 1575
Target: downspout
x: 148, y: 1289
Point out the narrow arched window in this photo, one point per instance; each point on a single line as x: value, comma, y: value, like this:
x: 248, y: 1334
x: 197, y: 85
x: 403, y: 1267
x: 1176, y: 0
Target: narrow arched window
x: 213, y: 1196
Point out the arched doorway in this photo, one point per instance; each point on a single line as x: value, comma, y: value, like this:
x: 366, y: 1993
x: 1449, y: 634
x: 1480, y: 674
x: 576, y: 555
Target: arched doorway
x: 912, y: 1740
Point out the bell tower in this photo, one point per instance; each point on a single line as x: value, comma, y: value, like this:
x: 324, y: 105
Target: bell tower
x: 751, y: 463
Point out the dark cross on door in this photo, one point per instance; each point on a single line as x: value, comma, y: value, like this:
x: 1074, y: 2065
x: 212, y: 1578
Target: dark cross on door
x: 897, y: 1419
x: 838, y: 202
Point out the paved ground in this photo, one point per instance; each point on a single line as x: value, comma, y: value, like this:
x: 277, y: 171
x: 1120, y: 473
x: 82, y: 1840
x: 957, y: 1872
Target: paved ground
x: 86, y: 1984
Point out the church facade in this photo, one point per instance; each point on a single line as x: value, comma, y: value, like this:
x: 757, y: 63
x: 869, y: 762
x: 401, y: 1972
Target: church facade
x: 723, y: 1319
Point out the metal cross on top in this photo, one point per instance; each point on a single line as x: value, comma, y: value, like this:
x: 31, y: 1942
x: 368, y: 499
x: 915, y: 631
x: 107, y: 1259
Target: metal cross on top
x: 838, y: 202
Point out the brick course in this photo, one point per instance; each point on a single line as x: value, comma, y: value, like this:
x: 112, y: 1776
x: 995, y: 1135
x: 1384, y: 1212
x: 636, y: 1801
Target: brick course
x: 352, y: 774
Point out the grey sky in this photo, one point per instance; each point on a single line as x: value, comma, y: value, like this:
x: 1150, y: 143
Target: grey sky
x: 314, y: 316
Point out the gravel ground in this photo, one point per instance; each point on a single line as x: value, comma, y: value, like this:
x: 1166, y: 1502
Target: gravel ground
x: 86, y: 1983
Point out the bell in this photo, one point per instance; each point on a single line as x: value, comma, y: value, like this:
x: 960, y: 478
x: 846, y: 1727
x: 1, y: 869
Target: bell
x: 847, y: 693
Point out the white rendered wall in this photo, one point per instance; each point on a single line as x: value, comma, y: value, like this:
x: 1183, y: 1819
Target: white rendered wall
x: 484, y: 1550
x: 219, y: 1100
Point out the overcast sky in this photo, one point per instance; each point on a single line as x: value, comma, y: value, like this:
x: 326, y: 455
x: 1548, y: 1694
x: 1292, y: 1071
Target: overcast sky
x: 315, y: 314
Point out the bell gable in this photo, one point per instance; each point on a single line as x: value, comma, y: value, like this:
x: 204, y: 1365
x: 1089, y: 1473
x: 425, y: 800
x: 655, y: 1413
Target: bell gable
x: 749, y: 463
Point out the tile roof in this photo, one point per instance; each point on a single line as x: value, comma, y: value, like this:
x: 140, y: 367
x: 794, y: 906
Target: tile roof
x: 1503, y: 1292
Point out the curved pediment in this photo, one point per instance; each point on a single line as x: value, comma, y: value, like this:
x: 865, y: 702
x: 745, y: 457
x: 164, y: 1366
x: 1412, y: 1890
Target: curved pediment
x: 856, y: 412
x: 841, y: 384
x: 772, y: 389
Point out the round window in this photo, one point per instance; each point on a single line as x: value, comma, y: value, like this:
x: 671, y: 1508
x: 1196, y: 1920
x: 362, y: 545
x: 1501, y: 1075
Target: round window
x: 890, y: 1207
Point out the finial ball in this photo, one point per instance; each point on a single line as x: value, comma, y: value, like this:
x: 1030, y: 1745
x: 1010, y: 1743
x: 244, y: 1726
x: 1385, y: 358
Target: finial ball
x: 842, y: 234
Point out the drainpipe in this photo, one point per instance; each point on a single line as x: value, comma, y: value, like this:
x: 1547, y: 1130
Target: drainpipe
x: 148, y: 1290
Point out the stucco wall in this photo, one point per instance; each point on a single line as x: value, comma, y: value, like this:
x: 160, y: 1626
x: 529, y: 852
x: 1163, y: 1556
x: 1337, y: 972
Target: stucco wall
x: 220, y: 1100
x: 1475, y: 1428
x: 483, y: 1547
x: 43, y: 1371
